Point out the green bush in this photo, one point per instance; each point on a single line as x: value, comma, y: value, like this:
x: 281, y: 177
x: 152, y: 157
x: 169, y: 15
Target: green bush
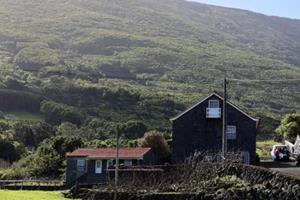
x: 290, y: 127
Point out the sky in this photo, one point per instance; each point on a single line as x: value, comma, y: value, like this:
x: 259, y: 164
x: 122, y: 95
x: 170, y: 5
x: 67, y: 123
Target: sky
x: 282, y: 8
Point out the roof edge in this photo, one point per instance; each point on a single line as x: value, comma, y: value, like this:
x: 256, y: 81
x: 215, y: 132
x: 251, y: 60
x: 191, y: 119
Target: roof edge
x: 147, y: 149
x: 212, y: 94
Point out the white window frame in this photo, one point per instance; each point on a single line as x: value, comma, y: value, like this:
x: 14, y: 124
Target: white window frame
x: 213, y: 104
x: 231, y: 132
x: 96, y: 166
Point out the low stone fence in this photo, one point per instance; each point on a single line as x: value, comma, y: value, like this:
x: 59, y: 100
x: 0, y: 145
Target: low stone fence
x: 260, y: 175
x: 260, y: 183
x: 46, y: 185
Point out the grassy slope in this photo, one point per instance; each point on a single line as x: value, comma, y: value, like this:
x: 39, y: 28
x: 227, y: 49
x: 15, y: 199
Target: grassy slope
x: 174, y: 48
x: 30, y: 195
x: 23, y: 115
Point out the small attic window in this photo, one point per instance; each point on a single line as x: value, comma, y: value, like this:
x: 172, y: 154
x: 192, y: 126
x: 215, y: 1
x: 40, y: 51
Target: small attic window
x: 214, y: 104
x: 213, y: 110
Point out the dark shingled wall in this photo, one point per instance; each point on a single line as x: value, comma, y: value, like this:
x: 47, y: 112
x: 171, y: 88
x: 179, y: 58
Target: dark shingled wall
x: 193, y: 131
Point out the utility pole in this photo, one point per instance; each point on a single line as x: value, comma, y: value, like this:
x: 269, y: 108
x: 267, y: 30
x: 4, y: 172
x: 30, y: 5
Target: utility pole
x: 117, y: 163
x: 224, y: 139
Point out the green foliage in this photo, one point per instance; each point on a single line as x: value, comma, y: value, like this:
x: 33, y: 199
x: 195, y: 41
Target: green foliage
x: 133, y: 129
x: 35, y: 57
x: 47, y: 161
x: 49, y: 158
x: 31, y: 133
x: 144, y: 61
x: 19, y: 100
x: 111, y: 143
x: 134, y: 65
x: 56, y: 113
x: 66, y: 129
x: 159, y: 145
x: 290, y: 127
x: 264, y: 147
x: 8, y: 151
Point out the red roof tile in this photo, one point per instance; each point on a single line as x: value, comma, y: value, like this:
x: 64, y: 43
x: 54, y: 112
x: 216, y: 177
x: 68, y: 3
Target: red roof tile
x: 110, y: 153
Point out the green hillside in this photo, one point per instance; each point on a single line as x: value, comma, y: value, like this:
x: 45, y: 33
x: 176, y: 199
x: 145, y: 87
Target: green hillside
x: 142, y: 60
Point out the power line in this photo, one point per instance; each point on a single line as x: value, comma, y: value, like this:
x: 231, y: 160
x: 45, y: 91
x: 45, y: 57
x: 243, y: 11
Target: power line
x: 264, y: 80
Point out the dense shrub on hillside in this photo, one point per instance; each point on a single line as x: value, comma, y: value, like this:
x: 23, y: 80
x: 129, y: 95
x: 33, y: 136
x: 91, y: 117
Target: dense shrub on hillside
x: 47, y: 161
x: 17, y: 138
x: 86, y: 94
x: 57, y: 113
x: 8, y: 151
x: 33, y: 58
x: 133, y: 129
x: 26, y: 133
x: 14, y: 84
x: 31, y: 134
x: 115, y: 71
x: 19, y: 100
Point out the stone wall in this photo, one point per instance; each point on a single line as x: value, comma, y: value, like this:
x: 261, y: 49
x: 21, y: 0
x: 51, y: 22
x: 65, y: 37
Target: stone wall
x: 250, y: 182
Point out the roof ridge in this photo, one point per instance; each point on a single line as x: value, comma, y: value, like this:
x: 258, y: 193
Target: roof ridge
x: 218, y: 95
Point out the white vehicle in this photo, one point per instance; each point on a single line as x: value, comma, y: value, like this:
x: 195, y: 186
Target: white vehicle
x: 280, y: 153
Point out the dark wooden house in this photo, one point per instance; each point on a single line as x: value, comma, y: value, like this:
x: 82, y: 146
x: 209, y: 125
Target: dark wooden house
x: 89, y: 166
x: 199, y: 128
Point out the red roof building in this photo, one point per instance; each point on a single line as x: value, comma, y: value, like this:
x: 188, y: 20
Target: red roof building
x: 91, y: 165
x: 110, y: 153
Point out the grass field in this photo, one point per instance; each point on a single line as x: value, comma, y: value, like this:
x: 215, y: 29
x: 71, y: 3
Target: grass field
x: 23, y: 115
x: 30, y: 195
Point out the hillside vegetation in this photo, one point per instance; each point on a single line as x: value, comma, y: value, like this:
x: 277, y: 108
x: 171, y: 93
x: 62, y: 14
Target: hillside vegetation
x: 90, y: 66
x: 147, y: 59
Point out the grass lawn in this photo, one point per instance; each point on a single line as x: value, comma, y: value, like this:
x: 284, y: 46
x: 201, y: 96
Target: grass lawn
x: 30, y: 195
x: 23, y: 115
x: 264, y: 147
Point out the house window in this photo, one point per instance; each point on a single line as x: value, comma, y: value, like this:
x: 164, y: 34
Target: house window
x: 231, y: 132
x: 213, y: 110
x: 214, y: 104
x: 110, y: 163
x: 128, y: 162
x: 98, y: 166
x: 81, y: 165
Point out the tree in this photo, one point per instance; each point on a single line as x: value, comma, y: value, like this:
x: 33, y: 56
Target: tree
x: 133, y: 129
x: 49, y: 158
x: 159, y: 145
x: 57, y: 113
x: 66, y: 129
x: 31, y: 133
x: 8, y: 151
x: 290, y: 126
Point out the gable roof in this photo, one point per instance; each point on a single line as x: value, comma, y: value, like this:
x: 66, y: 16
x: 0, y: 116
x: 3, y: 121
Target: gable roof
x: 219, y: 96
x: 110, y: 153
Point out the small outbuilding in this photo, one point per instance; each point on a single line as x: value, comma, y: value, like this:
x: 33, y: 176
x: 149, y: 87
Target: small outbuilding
x: 89, y: 166
x: 199, y: 128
